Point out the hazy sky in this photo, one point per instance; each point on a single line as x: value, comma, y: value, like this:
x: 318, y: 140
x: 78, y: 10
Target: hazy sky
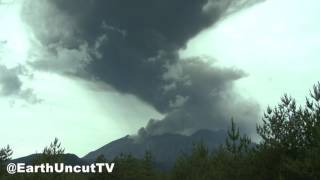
x: 72, y: 112
x: 277, y: 43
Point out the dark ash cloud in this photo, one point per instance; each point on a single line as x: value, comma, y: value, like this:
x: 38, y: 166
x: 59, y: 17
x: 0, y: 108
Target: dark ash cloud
x: 133, y: 46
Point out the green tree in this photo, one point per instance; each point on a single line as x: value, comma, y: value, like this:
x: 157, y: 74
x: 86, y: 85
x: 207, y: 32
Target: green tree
x: 233, y: 160
x: 193, y: 166
x: 290, y: 138
x: 235, y: 143
x: 148, y: 164
x: 52, y: 153
x: 292, y: 128
x: 129, y: 167
x: 232, y: 139
x: 5, y: 156
x: 100, y: 159
x: 99, y: 176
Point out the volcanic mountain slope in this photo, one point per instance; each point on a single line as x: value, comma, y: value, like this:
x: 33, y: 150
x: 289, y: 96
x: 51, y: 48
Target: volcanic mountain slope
x: 164, y: 148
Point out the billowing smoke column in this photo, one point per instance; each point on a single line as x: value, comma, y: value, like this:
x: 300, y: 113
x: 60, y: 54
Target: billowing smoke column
x: 133, y: 46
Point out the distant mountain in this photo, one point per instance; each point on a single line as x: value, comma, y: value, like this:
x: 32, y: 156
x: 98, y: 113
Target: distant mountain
x: 164, y: 148
x: 68, y: 159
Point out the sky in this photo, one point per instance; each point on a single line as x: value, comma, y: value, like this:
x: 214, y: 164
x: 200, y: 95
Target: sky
x: 279, y: 51
x: 65, y: 80
x: 66, y: 112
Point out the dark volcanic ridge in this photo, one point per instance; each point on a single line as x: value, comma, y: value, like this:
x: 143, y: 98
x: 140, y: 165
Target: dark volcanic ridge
x: 164, y: 148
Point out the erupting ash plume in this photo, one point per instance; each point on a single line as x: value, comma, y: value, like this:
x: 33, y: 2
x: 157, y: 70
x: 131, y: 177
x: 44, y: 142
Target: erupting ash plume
x: 133, y: 46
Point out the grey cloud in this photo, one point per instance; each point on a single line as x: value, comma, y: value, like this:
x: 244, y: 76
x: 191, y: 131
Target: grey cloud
x: 9, y: 80
x: 208, y: 102
x: 61, y: 59
x: 178, y: 102
x: 134, y: 48
x: 29, y: 96
x: 11, y: 84
x: 53, y: 27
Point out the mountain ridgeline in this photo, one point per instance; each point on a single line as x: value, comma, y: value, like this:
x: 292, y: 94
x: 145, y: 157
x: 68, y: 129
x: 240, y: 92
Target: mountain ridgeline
x: 164, y: 148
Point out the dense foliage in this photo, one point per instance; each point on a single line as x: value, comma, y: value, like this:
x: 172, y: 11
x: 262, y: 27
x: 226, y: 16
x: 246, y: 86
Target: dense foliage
x: 289, y: 150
